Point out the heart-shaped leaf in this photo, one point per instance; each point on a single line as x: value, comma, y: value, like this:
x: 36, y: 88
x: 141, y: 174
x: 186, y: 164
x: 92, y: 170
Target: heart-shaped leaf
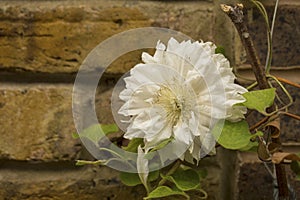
x: 295, y: 166
x: 133, y: 145
x: 232, y: 135
x: 185, y: 180
x: 97, y: 131
x: 259, y: 100
x: 162, y: 144
x: 164, y: 191
x: 253, y: 144
x: 133, y: 179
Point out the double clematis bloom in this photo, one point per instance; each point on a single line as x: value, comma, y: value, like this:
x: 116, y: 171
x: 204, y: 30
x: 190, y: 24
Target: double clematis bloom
x: 178, y: 95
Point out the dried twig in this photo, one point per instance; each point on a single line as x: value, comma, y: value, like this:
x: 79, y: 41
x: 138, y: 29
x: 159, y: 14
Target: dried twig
x: 236, y: 15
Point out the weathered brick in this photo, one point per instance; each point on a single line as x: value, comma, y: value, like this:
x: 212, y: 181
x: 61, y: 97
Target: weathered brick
x: 286, y: 35
x: 62, y: 181
x: 57, y: 36
x: 36, y: 123
x: 290, y: 126
x: 254, y: 181
x: 42, y: 124
x: 285, y: 38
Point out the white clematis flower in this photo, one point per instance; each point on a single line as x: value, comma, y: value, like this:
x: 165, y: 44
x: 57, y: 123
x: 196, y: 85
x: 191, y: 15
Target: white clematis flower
x: 180, y: 93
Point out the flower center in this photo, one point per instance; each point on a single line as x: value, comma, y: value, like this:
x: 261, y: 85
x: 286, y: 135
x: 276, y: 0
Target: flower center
x: 173, y: 104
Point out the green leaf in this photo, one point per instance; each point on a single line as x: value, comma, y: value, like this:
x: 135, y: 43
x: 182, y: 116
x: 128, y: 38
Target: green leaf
x: 234, y: 135
x: 133, y: 145
x: 259, y: 100
x: 202, y: 173
x: 133, y: 179
x: 75, y: 135
x: 162, y: 144
x: 258, y: 133
x: 109, y: 128
x: 164, y: 191
x: 130, y: 179
x: 185, y: 180
x: 295, y: 166
x: 97, y: 131
x: 220, y: 49
x: 252, y: 145
x: 153, y: 175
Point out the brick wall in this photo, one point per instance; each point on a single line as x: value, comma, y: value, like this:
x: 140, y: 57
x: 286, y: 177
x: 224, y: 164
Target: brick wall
x: 43, y: 43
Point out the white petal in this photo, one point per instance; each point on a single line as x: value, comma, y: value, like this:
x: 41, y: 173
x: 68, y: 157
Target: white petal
x: 195, y: 81
x: 194, y: 150
x: 194, y: 124
x: 182, y: 133
x: 158, y: 56
x: 148, y: 123
x: 207, y: 144
x: 139, y: 100
x: 151, y: 74
x: 147, y: 58
x: 142, y: 166
x: 154, y: 140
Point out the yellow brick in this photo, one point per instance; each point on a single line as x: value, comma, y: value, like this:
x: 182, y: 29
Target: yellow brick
x: 55, y: 37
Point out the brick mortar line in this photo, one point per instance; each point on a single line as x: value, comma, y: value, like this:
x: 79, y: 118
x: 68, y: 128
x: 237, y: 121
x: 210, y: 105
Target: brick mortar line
x: 102, y: 4
x: 33, y: 165
x: 38, y: 86
x: 48, y: 78
x: 275, y: 68
x: 57, y: 20
x: 285, y: 3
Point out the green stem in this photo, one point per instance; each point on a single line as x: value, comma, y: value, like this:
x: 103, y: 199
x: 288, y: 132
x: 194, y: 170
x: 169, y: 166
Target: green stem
x: 270, y: 38
x: 284, y: 90
x: 252, y: 85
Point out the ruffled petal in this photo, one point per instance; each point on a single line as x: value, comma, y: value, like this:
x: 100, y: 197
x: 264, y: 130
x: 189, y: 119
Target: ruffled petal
x: 139, y: 100
x: 147, y: 124
x: 182, y: 133
x: 164, y: 133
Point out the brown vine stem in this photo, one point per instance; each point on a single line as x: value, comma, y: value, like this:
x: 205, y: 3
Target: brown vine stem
x: 288, y: 82
x: 261, y: 122
x: 236, y: 15
x: 292, y: 115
